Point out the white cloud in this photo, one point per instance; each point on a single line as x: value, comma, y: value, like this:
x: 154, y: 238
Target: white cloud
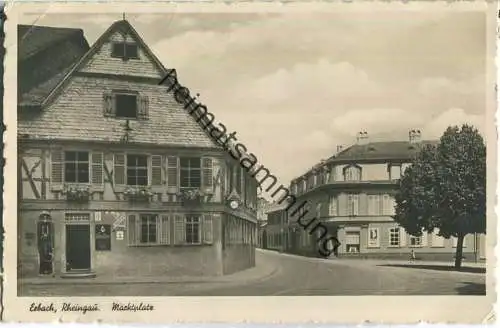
x: 453, y: 116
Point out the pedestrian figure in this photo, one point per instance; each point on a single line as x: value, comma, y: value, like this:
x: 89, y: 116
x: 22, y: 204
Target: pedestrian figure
x: 412, y: 256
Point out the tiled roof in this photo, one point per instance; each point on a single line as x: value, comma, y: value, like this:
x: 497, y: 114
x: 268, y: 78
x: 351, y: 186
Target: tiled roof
x: 388, y: 150
x: 38, y: 94
x: 33, y: 39
x: 375, y: 151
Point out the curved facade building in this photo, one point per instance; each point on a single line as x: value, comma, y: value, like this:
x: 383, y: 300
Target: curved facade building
x: 352, y: 194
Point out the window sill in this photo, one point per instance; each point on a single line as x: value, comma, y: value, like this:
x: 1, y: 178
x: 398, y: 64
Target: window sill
x: 432, y: 246
x: 374, y: 247
x: 415, y: 246
x: 394, y: 246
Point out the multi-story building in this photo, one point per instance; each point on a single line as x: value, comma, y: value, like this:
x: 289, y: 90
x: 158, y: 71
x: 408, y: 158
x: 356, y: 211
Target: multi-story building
x: 352, y: 194
x: 276, y: 228
x: 115, y: 176
x: 262, y: 207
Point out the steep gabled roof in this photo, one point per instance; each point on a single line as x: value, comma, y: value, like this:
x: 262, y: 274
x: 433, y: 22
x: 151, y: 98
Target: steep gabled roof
x: 122, y: 25
x: 33, y: 39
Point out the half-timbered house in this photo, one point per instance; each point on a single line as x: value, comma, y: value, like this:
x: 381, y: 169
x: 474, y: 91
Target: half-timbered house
x: 115, y: 177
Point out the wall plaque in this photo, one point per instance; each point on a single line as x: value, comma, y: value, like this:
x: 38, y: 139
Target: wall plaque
x: 102, y: 237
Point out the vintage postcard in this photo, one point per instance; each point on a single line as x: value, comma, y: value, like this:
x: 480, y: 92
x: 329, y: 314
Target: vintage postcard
x: 252, y: 162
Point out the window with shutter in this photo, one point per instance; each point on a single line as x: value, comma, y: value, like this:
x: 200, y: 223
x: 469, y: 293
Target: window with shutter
x: 97, y: 168
x: 132, y: 228
x: 207, y: 229
x: 179, y: 230
x: 156, y: 170
x: 402, y: 238
x: 207, y: 172
x: 57, y: 168
x: 143, y: 107
x: 108, y: 104
x: 172, y: 172
x: 165, y: 230
x: 333, y: 206
x: 119, y: 169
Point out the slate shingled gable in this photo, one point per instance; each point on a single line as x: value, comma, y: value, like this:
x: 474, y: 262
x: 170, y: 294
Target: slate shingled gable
x: 73, y: 109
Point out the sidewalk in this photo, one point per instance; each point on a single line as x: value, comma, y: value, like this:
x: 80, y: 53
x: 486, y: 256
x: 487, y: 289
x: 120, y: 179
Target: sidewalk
x: 262, y: 271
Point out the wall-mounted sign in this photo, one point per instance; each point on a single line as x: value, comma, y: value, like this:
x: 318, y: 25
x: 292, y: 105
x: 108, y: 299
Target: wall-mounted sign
x: 97, y: 216
x: 119, y: 235
x: 102, y: 237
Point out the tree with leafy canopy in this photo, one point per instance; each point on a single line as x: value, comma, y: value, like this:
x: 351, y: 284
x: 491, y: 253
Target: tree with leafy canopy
x: 445, y: 188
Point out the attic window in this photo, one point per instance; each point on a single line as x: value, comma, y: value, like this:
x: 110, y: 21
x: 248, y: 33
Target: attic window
x: 124, y: 50
x: 126, y: 105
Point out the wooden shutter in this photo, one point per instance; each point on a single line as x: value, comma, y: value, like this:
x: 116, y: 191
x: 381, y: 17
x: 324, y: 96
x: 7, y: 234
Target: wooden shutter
x: 207, y: 229
x: 97, y: 168
x: 57, y: 168
x: 132, y: 229
x: 172, y: 173
x: 142, y: 107
x: 423, y: 238
x: 207, y: 173
x: 179, y: 230
x: 402, y: 237
x: 108, y: 104
x: 119, y: 171
x: 165, y: 230
x: 156, y: 170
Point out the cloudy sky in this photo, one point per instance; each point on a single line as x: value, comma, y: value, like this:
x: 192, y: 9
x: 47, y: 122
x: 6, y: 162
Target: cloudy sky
x: 294, y: 86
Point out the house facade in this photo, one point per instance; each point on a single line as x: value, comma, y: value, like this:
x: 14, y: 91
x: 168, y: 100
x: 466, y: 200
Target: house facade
x: 352, y: 194
x: 276, y: 228
x: 115, y: 177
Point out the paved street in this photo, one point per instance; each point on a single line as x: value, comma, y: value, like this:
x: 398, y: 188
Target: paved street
x: 300, y: 276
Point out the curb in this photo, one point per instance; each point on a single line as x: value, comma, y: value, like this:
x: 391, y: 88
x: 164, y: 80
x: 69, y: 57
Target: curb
x: 61, y: 282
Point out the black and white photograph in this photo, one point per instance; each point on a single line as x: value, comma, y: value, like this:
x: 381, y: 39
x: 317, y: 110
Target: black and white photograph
x: 292, y: 153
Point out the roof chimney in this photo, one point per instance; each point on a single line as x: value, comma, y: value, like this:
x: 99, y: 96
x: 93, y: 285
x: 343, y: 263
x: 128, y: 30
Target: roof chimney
x: 414, y: 136
x: 339, y: 148
x: 362, y: 138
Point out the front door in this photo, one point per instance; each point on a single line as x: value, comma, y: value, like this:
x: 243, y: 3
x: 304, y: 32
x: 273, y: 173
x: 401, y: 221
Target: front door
x: 77, y: 247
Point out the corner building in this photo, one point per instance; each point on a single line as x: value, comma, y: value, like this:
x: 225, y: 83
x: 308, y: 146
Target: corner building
x: 352, y: 194
x: 115, y: 177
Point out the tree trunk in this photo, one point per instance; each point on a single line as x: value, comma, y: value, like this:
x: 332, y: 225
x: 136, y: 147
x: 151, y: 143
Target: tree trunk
x: 459, y: 251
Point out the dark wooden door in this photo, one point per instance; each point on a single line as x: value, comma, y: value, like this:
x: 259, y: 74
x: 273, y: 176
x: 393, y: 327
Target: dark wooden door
x: 77, y: 247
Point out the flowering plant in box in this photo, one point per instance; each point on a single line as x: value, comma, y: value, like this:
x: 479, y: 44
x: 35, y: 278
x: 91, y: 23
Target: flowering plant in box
x: 190, y: 195
x: 138, y: 193
x: 76, y: 193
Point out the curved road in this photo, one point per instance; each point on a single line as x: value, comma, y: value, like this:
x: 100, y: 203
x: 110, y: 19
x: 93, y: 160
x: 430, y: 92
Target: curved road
x: 299, y: 276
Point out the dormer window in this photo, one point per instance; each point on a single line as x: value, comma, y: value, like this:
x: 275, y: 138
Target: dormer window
x: 352, y: 173
x: 124, y: 50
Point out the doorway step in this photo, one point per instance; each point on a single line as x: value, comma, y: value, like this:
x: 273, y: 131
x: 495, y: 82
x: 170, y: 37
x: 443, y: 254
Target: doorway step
x: 78, y: 274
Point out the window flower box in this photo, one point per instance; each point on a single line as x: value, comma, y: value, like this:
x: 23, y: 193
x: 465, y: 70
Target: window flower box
x: 191, y: 197
x: 76, y: 193
x: 140, y: 194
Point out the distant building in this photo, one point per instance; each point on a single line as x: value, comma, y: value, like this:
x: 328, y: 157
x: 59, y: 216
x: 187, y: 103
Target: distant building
x: 277, y: 225
x: 115, y: 177
x: 262, y: 207
x: 352, y: 193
